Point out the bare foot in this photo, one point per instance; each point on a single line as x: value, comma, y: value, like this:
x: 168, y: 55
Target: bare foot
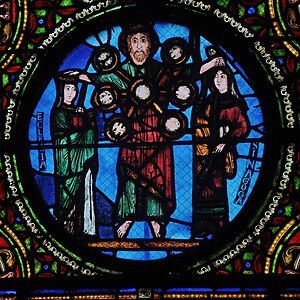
x: 7, y: 275
x: 121, y: 231
x: 291, y: 272
x: 156, y: 229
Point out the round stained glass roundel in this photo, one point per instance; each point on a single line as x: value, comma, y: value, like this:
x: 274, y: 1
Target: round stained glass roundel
x: 147, y: 141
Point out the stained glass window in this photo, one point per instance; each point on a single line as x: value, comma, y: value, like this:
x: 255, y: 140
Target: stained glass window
x: 163, y: 136
x: 131, y: 112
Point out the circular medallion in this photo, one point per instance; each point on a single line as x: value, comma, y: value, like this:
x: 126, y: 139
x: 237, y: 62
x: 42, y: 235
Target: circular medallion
x: 106, y: 98
x: 184, y: 94
x: 175, y: 51
x: 105, y: 58
x: 174, y: 124
x: 117, y: 128
x: 142, y: 92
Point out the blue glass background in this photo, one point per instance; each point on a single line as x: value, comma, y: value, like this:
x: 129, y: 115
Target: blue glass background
x: 179, y: 227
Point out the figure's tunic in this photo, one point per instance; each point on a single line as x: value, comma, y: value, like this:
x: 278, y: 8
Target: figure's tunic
x: 221, y: 118
x: 145, y: 163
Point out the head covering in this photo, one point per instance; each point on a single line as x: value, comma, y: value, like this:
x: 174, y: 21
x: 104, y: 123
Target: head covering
x: 138, y: 28
x: 61, y: 79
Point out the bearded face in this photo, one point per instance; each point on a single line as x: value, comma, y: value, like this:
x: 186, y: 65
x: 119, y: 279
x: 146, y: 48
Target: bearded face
x: 139, y: 46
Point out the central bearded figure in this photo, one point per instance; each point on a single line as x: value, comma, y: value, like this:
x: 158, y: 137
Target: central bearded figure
x: 145, y: 163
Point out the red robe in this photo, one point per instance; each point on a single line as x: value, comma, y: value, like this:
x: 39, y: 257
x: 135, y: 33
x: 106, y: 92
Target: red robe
x: 221, y: 119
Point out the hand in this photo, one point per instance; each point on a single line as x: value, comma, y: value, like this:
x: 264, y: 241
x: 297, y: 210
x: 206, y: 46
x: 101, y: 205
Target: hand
x: 80, y: 109
x: 84, y: 77
x: 219, y: 148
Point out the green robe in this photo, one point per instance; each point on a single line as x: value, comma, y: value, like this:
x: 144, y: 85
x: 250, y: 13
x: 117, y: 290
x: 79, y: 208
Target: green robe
x: 74, y: 156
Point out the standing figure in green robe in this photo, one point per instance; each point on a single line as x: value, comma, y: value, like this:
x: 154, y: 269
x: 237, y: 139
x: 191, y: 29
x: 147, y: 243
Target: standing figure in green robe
x: 73, y: 135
